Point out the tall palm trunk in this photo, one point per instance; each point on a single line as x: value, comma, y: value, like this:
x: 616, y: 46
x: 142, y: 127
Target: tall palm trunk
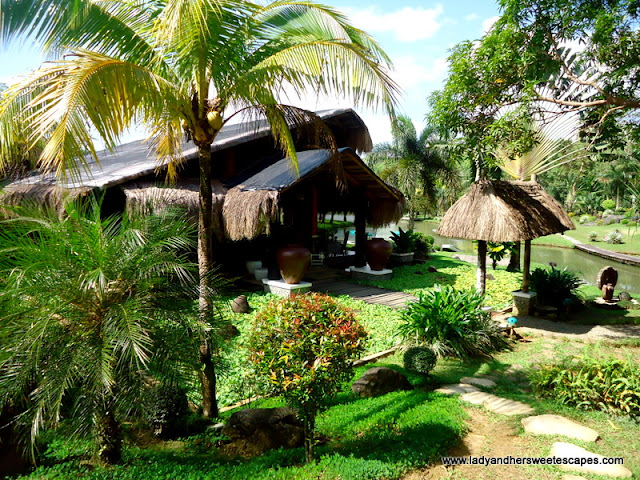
x: 205, y: 264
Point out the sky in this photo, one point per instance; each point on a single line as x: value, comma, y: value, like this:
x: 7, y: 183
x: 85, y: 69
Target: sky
x: 417, y: 35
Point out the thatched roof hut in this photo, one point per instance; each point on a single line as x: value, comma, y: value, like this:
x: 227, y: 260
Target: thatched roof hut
x: 500, y: 211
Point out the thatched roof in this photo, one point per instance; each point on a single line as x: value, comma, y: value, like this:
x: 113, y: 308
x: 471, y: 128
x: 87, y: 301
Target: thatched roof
x: 49, y: 196
x: 249, y: 208
x: 499, y: 211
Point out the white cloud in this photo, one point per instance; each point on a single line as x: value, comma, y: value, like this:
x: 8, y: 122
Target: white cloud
x: 471, y: 17
x: 408, y: 24
x: 488, y: 24
x: 409, y: 72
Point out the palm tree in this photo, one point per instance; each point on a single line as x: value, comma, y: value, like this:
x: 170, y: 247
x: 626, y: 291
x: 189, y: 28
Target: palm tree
x: 415, y: 165
x: 81, y: 300
x: 182, y: 67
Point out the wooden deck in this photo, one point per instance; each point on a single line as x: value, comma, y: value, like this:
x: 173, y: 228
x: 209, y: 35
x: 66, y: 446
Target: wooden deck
x: 379, y: 296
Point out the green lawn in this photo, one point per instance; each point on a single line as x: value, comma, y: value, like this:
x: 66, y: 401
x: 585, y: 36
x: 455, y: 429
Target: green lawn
x: 631, y: 237
x: 554, y: 241
x: 462, y: 275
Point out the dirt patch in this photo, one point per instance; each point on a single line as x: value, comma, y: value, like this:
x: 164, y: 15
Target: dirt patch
x: 491, y: 436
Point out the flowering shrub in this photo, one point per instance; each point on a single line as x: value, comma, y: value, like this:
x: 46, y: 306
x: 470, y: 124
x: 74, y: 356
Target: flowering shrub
x: 305, y: 345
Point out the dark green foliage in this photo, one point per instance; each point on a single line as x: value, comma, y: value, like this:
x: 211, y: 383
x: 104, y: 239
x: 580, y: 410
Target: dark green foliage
x: 168, y: 410
x: 423, y: 244
x: 420, y: 359
x: 404, y: 242
x: 453, y: 323
x: 608, y: 385
x: 80, y: 297
x: 554, y: 286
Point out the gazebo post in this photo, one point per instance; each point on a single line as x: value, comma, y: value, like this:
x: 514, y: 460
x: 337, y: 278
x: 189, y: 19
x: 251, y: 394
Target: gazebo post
x: 526, y: 266
x: 481, y: 273
x: 360, y: 221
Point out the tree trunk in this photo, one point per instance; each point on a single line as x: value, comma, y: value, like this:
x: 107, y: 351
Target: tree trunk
x: 481, y: 274
x: 526, y: 267
x: 108, y: 437
x: 514, y: 258
x: 308, y: 424
x: 205, y: 265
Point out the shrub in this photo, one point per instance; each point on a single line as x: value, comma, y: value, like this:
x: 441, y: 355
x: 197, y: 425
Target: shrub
x: 305, y: 345
x: 592, y: 236
x: 497, y: 251
x: 624, y: 221
x: 168, y: 410
x: 572, y: 214
x: 423, y: 244
x: 584, y: 219
x: 607, y: 213
x: 609, y: 385
x: 420, y: 359
x: 608, y: 205
x: 555, y: 286
x: 614, y: 237
x: 404, y: 241
x: 453, y: 323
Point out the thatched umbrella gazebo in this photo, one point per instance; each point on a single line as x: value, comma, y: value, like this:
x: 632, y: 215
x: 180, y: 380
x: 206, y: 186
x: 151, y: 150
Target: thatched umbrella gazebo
x: 501, y: 211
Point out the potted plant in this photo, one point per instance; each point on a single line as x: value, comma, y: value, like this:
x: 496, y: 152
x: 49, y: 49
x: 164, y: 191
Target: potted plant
x: 404, y: 246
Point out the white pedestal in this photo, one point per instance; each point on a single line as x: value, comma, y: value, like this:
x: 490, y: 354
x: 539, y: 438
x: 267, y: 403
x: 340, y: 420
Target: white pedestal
x: 284, y: 289
x: 365, y: 273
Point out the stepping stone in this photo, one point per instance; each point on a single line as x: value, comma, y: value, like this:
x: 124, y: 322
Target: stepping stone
x: 457, y: 389
x: 557, y: 425
x: 481, y: 382
x: 572, y: 477
x: 569, y: 450
x: 496, y: 404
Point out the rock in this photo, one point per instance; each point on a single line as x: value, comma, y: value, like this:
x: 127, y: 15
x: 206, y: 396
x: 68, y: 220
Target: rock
x: 490, y: 277
x: 572, y: 477
x: 380, y: 380
x: 481, y: 382
x: 432, y: 269
x: 496, y: 404
x: 568, y: 450
x: 457, y: 389
x: 229, y: 331
x: 557, y: 425
x: 624, y: 297
x: 256, y: 430
x: 240, y: 304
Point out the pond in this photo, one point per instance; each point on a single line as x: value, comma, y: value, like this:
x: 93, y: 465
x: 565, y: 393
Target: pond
x: 585, y: 265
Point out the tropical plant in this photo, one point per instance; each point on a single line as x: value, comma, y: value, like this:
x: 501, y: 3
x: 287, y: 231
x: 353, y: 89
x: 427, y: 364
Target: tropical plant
x: 608, y: 204
x: 414, y: 164
x: 554, y: 286
x: 423, y: 244
x: 614, y: 237
x: 403, y: 242
x: 420, y: 359
x: 453, y: 323
x: 80, y: 297
x: 497, y: 251
x: 306, y: 345
x: 609, y: 385
x: 593, y: 236
x: 182, y: 69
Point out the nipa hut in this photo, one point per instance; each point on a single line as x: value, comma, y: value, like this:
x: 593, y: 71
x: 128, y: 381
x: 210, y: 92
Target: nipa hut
x: 257, y: 192
x: 501, y: 211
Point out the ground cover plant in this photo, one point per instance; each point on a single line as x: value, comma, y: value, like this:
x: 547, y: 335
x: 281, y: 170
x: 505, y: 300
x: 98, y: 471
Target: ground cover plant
x: 457, y: 273
x: 305, y: 346
x: 452, y: 323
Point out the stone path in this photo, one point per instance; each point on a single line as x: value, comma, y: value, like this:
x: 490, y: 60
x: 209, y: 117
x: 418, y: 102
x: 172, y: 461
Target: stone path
x: 543, y: 327
x: 539, y: 425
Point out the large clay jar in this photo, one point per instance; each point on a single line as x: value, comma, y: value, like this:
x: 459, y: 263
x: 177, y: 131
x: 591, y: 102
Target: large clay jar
x: 378, y: 252
x: 293, y: 262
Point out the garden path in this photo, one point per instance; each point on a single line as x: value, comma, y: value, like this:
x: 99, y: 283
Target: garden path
x: 587, y: 333
x: 374, y: 295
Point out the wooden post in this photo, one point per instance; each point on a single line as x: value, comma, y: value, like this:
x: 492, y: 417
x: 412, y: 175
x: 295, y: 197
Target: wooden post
x: 314, y: 210
x: 481, y: 273
x: 526, y: 266
x: 361, y: 231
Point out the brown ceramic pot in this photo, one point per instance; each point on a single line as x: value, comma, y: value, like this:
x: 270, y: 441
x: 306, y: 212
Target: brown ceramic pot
x: 293, y: 262
x: 378, y: 252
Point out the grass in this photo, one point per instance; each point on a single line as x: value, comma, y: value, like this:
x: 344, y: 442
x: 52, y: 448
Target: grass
x: 459, y: 274
x: 631, y: 239
x: 368, y: 438
x: 553, y: 241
